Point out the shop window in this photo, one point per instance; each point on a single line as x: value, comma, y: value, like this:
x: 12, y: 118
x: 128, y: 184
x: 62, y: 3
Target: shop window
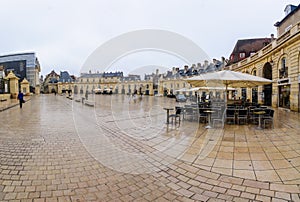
x: 284, y: 96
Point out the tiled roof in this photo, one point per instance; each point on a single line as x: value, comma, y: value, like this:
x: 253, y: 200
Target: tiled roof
x: 65, y: 77
x: 247, y: 46
x: 98, y: 75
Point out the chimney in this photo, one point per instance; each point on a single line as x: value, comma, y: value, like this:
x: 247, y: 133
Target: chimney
x: 173, y: 71
x: 272, y: 37
x: 223, y: 62
x: 205, y: 63
x: 186, y: 67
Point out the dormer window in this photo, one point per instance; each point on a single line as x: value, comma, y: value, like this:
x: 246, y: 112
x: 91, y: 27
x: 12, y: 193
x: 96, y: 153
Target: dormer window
x: 231, y: 57
x: 242, y: 55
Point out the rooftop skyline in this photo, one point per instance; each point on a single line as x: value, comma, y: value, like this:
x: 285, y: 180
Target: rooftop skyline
x: 64, y: 34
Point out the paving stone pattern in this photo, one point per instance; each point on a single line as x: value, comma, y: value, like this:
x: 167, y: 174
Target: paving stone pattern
x: 56, y: 149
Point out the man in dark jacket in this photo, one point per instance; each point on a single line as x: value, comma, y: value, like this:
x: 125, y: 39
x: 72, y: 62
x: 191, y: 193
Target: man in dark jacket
x: 21, y: 98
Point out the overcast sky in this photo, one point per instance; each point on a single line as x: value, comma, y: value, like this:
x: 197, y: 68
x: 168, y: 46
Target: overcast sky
x: 64, y: 33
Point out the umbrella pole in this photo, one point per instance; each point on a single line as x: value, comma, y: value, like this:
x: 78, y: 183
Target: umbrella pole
x: 226, y: 97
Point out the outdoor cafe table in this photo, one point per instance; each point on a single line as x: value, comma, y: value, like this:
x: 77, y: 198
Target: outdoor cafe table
x: 168, y: 113
x: 209, y: 112
x: 260, y: 114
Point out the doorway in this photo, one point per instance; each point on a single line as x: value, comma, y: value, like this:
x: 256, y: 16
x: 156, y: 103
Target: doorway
x: 254, y: 95
x: 267, y: 89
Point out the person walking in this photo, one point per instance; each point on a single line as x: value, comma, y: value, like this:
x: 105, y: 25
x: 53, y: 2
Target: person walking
x: 21, y: 98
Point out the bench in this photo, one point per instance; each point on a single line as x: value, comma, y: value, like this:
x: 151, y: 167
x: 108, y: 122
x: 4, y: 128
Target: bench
x: 89, y: 103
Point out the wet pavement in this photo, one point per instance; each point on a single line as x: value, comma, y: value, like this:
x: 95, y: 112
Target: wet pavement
x: 57, y: 149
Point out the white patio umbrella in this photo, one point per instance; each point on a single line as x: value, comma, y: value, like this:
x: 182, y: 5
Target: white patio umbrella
x: 183, y: 90
x: 229, y: 79
x: 215, y: 88
x: 187, y: 89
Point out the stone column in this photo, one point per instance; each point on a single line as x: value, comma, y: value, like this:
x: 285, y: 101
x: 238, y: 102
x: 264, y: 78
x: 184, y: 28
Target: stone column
x: 260, y: 94
x: 59, y: 87
x: 13, y: 84
x: 25, y: 87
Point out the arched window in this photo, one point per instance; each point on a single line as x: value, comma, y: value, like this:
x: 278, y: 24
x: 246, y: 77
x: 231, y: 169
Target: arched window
x: 283, y: 70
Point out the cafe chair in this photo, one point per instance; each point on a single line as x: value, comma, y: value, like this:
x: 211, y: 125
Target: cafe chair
x: 177, y: 115
x: 189, y: 113
x: 202, y: 115
x: 268, y: 119
x: 230, y: 115
x: 253, y: 118
x: 220, y: 119
x: 242, y: 116
x: 267, y: 112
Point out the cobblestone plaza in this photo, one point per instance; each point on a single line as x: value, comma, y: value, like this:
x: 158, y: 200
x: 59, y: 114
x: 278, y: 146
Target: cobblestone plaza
x: 57, y: 149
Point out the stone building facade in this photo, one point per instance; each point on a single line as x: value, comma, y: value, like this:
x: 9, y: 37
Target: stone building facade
x: 280, y: 62
x: 113, y: 82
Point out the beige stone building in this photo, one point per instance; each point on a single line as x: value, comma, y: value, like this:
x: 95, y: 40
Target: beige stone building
x: 88, y: 82
x: 279, y: 61
x: 59, y: 83
x: 113, y: 82
x: 171, y: 85
x: 129, y: 87
x: 50, y: 82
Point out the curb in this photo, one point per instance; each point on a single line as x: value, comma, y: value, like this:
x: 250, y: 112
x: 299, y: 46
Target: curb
x: 11, y: 106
